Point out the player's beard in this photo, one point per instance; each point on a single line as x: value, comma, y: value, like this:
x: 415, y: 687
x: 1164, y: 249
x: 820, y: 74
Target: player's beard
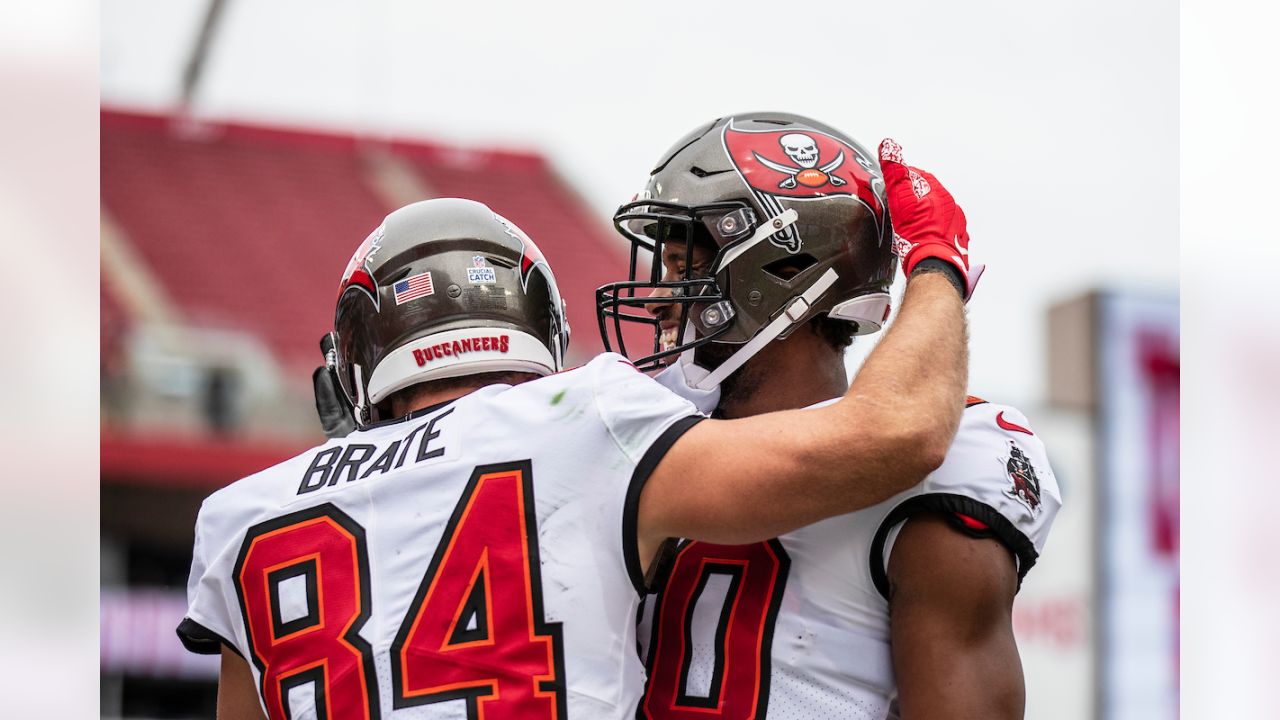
x: 741, y: 383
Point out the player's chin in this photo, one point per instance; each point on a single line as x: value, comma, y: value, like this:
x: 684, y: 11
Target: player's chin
x: 713, y: 354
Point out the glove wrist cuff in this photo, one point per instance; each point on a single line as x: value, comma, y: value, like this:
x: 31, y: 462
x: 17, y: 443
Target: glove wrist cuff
x: 931, y: 264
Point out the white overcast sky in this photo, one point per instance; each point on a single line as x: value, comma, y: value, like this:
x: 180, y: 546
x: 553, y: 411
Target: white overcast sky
x: 1054, y: 124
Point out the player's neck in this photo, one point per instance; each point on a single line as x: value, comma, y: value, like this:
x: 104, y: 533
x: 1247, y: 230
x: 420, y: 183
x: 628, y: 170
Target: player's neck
x: 426, y: 398
x: 785, y: 375
x: 435, y: 392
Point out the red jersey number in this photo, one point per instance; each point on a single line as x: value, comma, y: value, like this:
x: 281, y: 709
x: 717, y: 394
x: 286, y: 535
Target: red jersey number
x: 476, y: 629
x: 303, y: 583
x: 739, y: 688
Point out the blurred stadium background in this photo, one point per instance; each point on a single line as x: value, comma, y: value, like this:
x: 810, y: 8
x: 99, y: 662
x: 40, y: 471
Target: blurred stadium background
x: 236, y: 179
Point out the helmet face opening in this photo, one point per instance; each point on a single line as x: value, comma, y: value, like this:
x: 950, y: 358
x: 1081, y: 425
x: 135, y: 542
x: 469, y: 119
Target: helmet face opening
x: 671, y: 285
x: 777, y: 202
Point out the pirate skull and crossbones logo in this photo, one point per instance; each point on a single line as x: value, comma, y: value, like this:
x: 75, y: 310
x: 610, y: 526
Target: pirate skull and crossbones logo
x: 803, y: 151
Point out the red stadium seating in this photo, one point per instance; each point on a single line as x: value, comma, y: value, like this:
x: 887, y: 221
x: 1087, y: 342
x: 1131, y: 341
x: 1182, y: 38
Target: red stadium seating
x: 249, y: 227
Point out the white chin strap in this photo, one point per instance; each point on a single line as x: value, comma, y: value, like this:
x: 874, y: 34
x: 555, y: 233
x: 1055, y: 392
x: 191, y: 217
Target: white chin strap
x: 794, y: 312
x: 363, y: 411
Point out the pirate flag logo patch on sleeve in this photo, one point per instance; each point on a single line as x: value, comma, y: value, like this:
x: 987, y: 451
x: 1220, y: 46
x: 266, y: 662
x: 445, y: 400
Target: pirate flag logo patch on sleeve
x: 1025, y: 486
x: 801, y: 164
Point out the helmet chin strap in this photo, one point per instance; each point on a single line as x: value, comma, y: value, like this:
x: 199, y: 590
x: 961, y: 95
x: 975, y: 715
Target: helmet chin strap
x: 364, y: 413
x: 794, y: 312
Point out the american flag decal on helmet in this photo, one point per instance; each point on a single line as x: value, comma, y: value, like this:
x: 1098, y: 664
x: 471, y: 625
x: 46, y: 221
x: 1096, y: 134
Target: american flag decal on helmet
x: 413, y: 287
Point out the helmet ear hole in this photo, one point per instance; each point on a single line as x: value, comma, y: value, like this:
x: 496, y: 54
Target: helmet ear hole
x: 399, y: 276
x: 788, y: 267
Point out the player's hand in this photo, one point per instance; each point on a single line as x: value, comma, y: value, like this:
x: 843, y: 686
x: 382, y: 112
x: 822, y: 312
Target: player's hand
x: 337, y: 417
x: 927, y: 222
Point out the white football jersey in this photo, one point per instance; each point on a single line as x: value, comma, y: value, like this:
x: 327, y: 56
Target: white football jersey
x: 798, y: 627
x: 475, y: 559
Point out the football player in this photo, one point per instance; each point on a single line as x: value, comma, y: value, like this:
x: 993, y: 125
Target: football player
x: 908, y: 601
x: 478, y: 546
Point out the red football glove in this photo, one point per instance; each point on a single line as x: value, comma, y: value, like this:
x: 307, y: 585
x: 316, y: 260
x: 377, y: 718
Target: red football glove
x: 927, y: 222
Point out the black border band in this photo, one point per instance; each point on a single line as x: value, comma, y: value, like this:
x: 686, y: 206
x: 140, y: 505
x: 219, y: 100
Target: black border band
x: 1001, y: 529
x: 201, y: 640
x: 631, y: 507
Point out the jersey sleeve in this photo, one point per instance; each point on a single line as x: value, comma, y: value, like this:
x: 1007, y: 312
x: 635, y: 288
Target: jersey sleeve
x: 635, y: 408
x: 208, y: 625
x: 995, y: 482
x: 643, y: 419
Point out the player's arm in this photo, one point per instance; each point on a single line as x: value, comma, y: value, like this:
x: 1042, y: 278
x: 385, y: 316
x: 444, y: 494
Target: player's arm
x: 237, y: 695
x: 950, y: 623
x: 749, y: 479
